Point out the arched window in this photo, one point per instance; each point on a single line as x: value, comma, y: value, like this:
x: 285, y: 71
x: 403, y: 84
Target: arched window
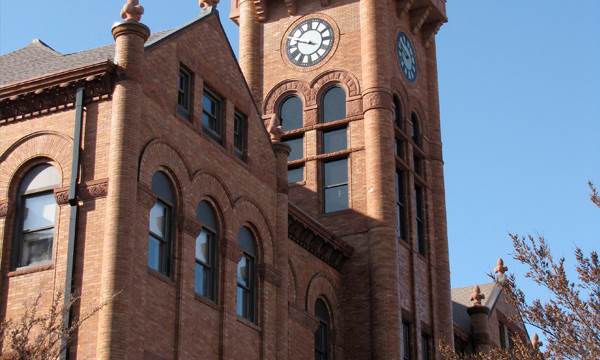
x: 416, y: 128
x: 322, y: 341
x: 246, y: 276
x: 206, y: 252
x: 161, y: 224
x: 291, y: 113
x: 36, y: 214
x: 334, y: 104
x: 398, y: 119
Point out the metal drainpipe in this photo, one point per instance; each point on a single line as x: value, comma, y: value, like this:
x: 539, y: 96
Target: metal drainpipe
x: 73, y: 219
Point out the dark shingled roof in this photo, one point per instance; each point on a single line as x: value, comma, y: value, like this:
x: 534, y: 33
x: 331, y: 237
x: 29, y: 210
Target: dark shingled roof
x: 38, y: 59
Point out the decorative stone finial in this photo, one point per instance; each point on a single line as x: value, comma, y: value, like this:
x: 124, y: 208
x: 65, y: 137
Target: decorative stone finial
x: 132, y: 10
x: 477, y: 296
x: 207, y: 3
x: 501, y: 270
x: 535, y: 342
x: 275, y: 128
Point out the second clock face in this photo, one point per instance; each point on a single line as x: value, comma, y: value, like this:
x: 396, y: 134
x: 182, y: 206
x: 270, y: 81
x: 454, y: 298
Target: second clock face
x: 309, y: 42
x: 407, y: 57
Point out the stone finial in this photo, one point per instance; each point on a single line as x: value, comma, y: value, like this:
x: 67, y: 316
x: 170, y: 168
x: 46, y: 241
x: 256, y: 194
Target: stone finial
x: 275, y: 128
x: 207, y: 3
x: 535, y: 342
x: 132, y: 10
x: 501, y: 270
x: 477, y: 296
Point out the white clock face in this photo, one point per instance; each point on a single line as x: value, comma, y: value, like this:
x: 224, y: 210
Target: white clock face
x: 309, y: 42
x: 407, y: 57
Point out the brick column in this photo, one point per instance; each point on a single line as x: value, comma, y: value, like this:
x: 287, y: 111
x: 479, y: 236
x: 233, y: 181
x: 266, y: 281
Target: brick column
x: 479, y: 327
x: 441, y: 261
x: 251, y: 48
x: 130, y: 37
x: 379, y: 159
x: 282, y: 152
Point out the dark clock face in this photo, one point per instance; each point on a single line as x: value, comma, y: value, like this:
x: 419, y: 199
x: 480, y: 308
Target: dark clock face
x: 309, y: 42
x: 407, y: 57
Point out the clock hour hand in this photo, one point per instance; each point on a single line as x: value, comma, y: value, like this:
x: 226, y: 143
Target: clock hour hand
x: 301, y: 40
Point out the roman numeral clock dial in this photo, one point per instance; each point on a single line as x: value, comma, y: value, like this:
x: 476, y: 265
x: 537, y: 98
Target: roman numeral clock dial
x: 309, y: 42
x: 407, y: 57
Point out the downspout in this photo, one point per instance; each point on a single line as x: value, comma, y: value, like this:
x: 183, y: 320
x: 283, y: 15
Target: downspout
x: 73, y: 219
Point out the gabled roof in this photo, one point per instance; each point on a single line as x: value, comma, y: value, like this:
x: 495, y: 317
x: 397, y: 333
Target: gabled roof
x: 38, y: 59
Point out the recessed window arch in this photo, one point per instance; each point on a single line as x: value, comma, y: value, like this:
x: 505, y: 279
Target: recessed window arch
x: 161, y: 224
x: 398, y: 115
x: 333, y: 104
x: 291, y: 113
x: 246, y: 275
x: 36, y: 215
x: 416, y: 128
x: 323, y: 333
x: 206, y: 253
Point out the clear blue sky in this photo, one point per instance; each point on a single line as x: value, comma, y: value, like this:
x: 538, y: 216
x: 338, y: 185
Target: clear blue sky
x: 520, y: 102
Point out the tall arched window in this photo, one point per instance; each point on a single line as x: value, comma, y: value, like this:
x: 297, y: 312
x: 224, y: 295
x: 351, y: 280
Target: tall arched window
x: 36, y: 214
x: 206, y: 252
x: 246, y: 276
x: 322, y: 341
x: 334, y: 104
x: 161, y: 225
x: 416, y: 128
x: 398, y: 119
x: 291, y: 113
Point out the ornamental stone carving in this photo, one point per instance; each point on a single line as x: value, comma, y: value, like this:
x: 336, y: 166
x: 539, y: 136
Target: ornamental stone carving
x: 191, y: 226
x: 132, y: 11
x: 96, y: 189
x: 62, y: 196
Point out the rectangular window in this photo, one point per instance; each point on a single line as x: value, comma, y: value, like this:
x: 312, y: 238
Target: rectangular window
x: 406, y: 341
x: 184, y: 94
x: 297, y: 146
x: 502, y: 333
x: 334, y: 140
x: 158, y: 239
x: 420, y: 217
x: 418, y: 164
x: 245, y: 284
x: 38, y: 229
x: 240, y: 135
x: 212, y: 115
x: 204, y: 270
x: 400, y: 206
x: 335, y: 185
x: 426, y: 346
x: 296, y: 175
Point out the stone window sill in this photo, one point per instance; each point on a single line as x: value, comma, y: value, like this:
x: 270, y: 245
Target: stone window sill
x: 31, y: 269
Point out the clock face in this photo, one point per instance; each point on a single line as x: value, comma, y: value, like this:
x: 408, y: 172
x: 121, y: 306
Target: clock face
x: 407, y: 57
x: 309, y: 42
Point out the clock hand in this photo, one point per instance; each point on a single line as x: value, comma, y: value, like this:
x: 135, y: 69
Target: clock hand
x: 301, y: 40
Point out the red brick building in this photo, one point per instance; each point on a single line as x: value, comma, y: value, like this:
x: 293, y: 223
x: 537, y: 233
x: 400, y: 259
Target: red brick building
x: 290, y: 206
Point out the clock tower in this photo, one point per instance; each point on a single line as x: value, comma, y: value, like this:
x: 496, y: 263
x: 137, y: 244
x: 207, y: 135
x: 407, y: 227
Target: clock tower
x: 354, y: 85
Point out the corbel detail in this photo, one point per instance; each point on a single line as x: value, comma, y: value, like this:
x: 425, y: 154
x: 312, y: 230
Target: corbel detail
x: 418, y: 17
x: 291, y: 6
x: 3, y: 208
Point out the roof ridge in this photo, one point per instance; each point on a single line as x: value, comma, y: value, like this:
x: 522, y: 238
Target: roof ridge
x: 43, y: 45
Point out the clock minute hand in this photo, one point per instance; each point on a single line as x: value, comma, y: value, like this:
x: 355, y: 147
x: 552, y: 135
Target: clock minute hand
x: 301, y: 40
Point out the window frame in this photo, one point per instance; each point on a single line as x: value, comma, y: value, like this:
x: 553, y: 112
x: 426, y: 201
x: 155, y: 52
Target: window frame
x: 182, y: 110
x: 323, y: 106
x: 323, y: 349
x: 401, y: 206
x: 165, y: 262
x: 407, y: 341
x: 250, y: 310
x: 332, y: 129
x: 282, y: 102
x: 421, y: 219
x: 218, y: 118
x: 326, y: 187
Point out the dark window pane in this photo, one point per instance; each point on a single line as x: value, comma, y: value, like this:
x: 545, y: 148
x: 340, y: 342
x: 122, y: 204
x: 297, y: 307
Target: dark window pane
x: 420, y: 217
x: 183, y: 96
x: 336, y: 172
x: 406, y: 341
x: 239, y: 134
x: 153, y: 253
x: 334, y: 104
x: 296, y: 175
x: 399, y: 148
x: 398, y: 112
x: 40, y: 211
x: 336, y: 198
x: 291, y: 113
x: 206, y: 216
x: 246, y: 242
x: 297, y: 146
x: 37, y: 247
x: 211, y: 114
x: 416, y: 128
x: 200, y: 280
x: 400, y: 206
x: 425, y: 350
x: 240, y: 302
x: 418, y: 163
x: 334, y: 140
x: 161, y: 187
